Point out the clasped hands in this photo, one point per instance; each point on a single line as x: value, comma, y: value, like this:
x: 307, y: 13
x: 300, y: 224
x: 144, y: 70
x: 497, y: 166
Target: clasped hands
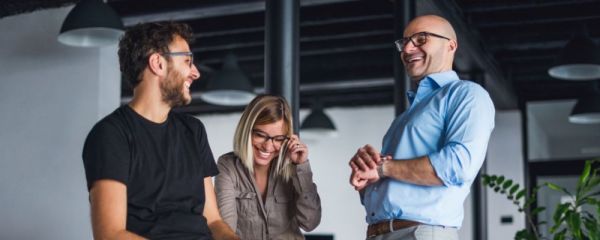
x: 364, y: 165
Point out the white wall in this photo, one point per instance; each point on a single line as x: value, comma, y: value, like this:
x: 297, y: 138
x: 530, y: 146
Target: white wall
x: 505, y: 157
x: 50, y: 96
x: 537, y: 139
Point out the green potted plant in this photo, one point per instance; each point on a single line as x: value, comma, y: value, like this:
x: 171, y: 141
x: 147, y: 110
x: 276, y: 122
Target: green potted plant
x: 571, y: 220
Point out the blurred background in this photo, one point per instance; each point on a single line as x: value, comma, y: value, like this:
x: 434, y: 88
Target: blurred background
x: 539, y: 60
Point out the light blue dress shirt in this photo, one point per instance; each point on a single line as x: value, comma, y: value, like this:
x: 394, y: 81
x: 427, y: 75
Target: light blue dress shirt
x: 449, y: 120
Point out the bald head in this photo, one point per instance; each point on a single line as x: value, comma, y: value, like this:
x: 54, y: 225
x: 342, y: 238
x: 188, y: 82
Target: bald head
x: 431, y: 23
x: 432, y: 54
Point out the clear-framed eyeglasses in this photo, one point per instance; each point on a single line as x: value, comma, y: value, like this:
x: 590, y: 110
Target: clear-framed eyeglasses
x: 190, y: 61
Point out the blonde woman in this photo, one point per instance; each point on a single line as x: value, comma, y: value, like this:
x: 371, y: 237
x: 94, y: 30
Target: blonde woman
x: 265, y: 188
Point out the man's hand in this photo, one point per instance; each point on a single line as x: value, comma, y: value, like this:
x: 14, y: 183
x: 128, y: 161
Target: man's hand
x: 360, y: 179
x: 366, y: 158
x: 364, y: 165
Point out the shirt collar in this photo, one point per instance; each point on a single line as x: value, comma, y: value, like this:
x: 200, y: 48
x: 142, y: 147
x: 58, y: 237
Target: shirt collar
x: 434, y: 81
x: 442, y: 78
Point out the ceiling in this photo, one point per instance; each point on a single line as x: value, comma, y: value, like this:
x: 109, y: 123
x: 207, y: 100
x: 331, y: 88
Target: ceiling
x: 346, y: 46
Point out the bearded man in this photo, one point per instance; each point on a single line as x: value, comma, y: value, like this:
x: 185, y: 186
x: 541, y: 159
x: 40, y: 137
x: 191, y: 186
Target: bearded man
x: 148, y: 168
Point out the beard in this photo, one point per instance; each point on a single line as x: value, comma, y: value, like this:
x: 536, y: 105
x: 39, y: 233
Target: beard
x: 171, y: 89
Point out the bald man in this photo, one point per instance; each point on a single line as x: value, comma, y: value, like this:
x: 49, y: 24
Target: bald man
x: 414, y: 188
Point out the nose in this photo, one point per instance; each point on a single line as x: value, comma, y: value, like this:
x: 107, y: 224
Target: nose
x: 271, y: 145
x: 195, y: 74
x: 409, y: 46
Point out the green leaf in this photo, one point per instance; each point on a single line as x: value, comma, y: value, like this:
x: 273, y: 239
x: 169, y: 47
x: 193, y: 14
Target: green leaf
x: 560, y: 235
x: 513, y: 189
x: 592, y: 195
x: 542, y: 223
x: 485, y: 179
x: 507, y: 184
x: 537, y: 210
x: 554, y: 228
x: 520, y: 194
x: 523, y: 235
x: 559, y: 212
x: 496, y: 189
x: 557, y: 188
x: 574, y: 222
x: 493, y: 178
x: 583, y: 179
x: 500, y: 180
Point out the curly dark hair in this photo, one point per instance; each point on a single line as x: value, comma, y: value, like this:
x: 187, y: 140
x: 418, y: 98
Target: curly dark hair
x: 142, y: 40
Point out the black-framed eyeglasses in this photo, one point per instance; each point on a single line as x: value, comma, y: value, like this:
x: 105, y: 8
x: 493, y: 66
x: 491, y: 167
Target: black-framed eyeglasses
x: 189, y: 54
x: 262, y: 137
x: 417, y: 39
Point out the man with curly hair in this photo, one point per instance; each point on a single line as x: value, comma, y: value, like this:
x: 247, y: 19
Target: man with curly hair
x: 148, y: 168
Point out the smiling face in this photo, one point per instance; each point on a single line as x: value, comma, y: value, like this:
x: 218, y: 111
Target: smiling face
x: 267, y: 141
x: 181, y: 72
x: 436, y: 55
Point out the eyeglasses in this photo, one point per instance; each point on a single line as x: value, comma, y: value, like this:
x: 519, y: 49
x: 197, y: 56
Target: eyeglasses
x: 189, y: 54
x: 262, y: 137
x: 417, y: 39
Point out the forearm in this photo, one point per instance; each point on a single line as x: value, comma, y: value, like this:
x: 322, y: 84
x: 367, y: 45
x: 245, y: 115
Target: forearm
x: 308, y: 202
x: 123, y: 234
x: 108, y: 200
x: 417, y: 171
x: 220, y: 230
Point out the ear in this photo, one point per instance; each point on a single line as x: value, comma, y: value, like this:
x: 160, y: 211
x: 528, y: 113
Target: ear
x: 157, y: 64
x: 453, y: 45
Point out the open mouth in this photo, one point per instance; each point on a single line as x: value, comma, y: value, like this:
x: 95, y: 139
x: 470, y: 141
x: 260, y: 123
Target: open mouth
x: 413, y: 58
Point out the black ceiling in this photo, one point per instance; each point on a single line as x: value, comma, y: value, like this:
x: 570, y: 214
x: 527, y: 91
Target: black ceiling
x: 346, y: 47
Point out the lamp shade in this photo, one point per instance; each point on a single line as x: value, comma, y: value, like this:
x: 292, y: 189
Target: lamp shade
x: 317, y: 124
x: 229, y: 86
x: 91, y: 23
x: 586, y: 110
x: 579, y: 60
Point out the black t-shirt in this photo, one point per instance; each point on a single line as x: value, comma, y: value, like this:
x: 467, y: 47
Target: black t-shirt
x: 162, y: 165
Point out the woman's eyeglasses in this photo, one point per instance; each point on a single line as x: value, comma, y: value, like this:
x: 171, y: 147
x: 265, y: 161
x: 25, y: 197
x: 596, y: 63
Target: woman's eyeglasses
x: 262, y: 137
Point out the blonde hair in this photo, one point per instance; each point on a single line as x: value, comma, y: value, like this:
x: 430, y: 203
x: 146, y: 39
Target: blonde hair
x: 263, y: 109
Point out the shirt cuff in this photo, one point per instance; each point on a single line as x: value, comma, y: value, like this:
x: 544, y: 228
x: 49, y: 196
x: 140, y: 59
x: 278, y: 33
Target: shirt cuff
x: 445, y: 170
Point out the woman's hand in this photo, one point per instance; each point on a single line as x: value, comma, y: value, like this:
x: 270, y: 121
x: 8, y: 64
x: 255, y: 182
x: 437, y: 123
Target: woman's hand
x: 297, y: 151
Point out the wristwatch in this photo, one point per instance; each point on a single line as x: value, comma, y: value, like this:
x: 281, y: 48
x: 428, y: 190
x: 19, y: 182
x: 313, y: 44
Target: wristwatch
x: 380, y: 171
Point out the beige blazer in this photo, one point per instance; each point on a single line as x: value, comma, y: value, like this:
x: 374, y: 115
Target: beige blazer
x: 288, y: 207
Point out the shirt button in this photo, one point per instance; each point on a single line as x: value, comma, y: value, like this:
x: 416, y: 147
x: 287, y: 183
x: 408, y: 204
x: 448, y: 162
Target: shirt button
x: 372, y: 214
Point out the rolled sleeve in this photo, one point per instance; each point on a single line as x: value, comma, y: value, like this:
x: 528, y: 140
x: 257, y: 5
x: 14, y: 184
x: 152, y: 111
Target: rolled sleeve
x: 470, y: 121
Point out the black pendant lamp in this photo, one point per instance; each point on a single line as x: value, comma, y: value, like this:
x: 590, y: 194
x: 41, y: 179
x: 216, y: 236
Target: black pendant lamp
x: 229, y: 86
x: 586, y: 110
x: 579, y: 60
x: 317, y: 124
x: 91, y: 23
